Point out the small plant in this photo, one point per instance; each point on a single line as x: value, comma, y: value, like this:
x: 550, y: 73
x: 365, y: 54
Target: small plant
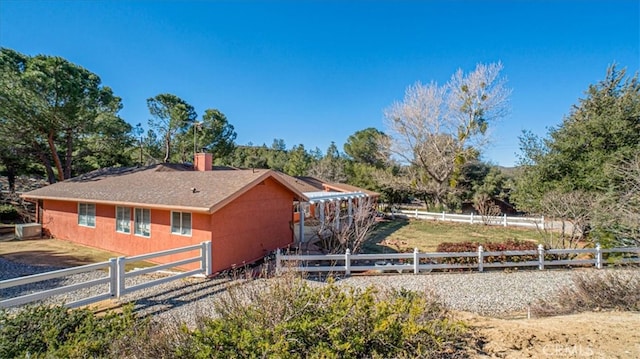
x: 618, y: 290
x: 290, y: 318
x: 40, y: 331
x: 8, y: 213
x: 509, y: 245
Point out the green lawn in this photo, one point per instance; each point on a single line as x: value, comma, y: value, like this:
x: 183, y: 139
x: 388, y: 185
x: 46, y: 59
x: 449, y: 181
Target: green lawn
x: 402, y: 235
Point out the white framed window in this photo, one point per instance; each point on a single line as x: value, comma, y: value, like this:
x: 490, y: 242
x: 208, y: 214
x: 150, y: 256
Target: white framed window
x: 87, y: 214
x: 123, y: 219
x: 142, y: 222
x: 181, y: 223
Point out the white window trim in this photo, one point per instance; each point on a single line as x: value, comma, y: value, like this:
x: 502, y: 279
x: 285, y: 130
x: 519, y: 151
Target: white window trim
x: 128, y: 219
x: 190, y: 224
x: 135, y: 227
x: 80, y: 204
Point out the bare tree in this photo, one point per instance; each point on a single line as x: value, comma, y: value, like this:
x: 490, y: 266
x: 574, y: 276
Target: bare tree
x: 436, y: 129
x: 573, y: 210
x: 487, y: 209
x: 341, y: 231
x: 618, y: 212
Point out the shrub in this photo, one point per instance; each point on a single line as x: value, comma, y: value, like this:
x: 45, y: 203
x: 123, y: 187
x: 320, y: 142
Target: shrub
x: 8, y: 212
x: 509, y: 245
x: 618, y: 290
x: 292, y: 319
x: 58, y: 332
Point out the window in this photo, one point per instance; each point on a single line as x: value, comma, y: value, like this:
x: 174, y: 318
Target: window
x: 123, y: 219
x: 142, y: 222
x: 181, y: 223
x: 87, y: 214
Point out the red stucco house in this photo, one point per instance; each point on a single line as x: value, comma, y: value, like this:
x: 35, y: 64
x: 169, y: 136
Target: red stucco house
x: 244, y: 213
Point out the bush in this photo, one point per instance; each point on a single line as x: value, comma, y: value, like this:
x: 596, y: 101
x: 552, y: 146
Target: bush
x: 292, y: 319
x: 618, y: 290
x: 8, y: 213
x: 39, y: 331
x: 509, y: 245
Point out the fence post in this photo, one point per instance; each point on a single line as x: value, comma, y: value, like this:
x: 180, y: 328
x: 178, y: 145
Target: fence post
x: 416, y: 261
x: 120, y: 274
x: 471, y: 218
x: 480, y: 259
x: 443, y: 216
x: 598, y: 256
x: 540, y: 256
x: 504, y: 222
x: 205, y: 258
x: 347, y: 262
x: 278, y: 263
x: 113, y: 276
x: 543, y: 224
x: 416, y: 213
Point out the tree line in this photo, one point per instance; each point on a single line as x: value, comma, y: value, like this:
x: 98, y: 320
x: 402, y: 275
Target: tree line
x: 59, y: 120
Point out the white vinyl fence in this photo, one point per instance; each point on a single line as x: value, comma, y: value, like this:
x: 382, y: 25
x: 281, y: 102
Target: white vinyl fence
x: 503, y: 220
x: 417, y: 262
x: 115, y: 278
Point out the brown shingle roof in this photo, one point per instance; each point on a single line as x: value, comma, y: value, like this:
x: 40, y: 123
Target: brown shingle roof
x: 343, y: 187
x: 303, y: 184
x: 160, y: 186
x: 312, y: 184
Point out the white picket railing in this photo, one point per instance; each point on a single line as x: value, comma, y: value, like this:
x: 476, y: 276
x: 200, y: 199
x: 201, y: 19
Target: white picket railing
x: 503, y: 220
x: 426, y: 262
x: 115, y: 278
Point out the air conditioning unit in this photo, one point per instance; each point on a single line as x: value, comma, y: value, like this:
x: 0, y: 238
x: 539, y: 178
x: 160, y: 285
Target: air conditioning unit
x: 28, y: 230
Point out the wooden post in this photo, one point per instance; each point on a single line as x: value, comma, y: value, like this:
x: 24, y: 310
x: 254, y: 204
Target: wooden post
x: 120, y: 274
x: 416, y: 213
x: 443, y: 216
x: 416, y: 261
x: 598, y: 256
x: 471, y: 217
x: 480, y: 259
x: 540, y: 256
x: 505, y: 220
x: 206, y: 255
x: 113, y: 277
x: 347, y: 262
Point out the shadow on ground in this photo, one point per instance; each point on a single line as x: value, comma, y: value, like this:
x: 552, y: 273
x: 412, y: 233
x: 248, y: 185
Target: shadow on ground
x: 48, y: 258
x: 384, y: 228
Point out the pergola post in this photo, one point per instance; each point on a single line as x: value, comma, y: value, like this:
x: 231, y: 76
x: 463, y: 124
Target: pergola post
x: 301, y: 228
x: 336, y: 220
x: 321, y: 205
x: 350, y: 210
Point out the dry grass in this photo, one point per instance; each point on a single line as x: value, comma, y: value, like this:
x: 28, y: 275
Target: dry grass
x: 610, y: 290
x: 404, y: 235
x: 57, y: 253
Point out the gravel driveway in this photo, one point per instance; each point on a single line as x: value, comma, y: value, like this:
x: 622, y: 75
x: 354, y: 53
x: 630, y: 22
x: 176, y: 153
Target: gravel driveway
x: 489, y: 293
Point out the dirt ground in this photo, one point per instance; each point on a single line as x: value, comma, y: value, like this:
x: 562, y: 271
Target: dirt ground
x: 585, y: 335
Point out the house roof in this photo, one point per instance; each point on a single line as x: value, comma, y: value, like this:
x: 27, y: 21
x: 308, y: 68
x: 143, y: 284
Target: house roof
x: 307, y: 184
x: 167, y: 186
x: 343, y: 187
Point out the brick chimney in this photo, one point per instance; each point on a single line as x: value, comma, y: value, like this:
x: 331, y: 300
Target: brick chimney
x: 203, y: 162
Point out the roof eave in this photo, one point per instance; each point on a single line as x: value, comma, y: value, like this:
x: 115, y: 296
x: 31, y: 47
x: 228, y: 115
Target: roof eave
x: 122, y: 203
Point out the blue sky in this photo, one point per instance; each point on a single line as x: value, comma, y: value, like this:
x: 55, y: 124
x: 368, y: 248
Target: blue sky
x: 313, y: 72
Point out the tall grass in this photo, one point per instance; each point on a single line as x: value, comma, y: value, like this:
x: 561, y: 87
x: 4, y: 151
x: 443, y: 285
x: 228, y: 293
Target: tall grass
x: 610, y: 290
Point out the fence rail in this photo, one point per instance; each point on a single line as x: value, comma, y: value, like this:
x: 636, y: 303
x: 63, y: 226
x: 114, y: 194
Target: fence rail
x: 115, y: 278
x: 426, y: 262
x: 503, y: 220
